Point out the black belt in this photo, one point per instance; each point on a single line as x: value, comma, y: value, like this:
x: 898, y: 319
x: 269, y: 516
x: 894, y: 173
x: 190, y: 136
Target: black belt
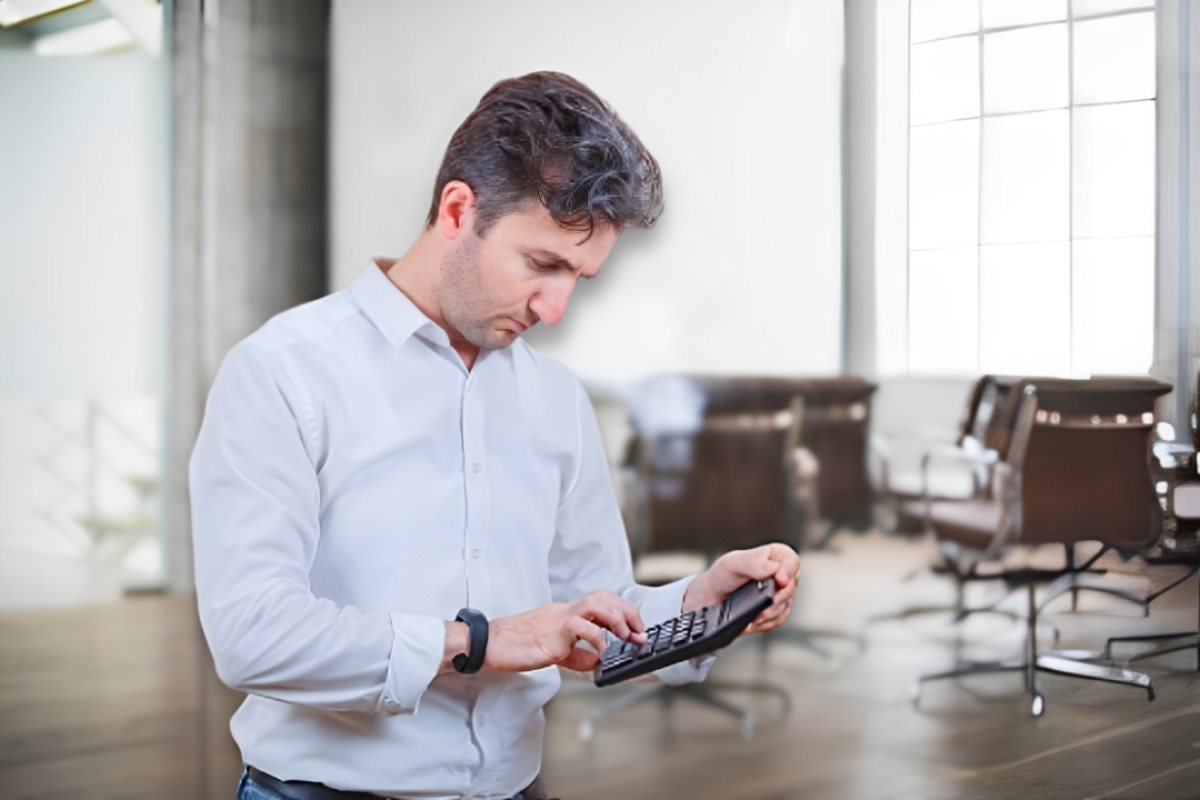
x: 307, y: 790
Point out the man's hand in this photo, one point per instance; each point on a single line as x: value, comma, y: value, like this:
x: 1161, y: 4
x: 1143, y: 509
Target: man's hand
x: 549, y: 634
x: 776, y: 561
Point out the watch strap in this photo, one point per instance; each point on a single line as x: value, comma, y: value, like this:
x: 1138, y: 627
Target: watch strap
x: 477, y: 625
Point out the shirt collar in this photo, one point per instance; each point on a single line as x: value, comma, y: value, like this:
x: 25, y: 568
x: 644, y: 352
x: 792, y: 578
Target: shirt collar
x: 388, y: 308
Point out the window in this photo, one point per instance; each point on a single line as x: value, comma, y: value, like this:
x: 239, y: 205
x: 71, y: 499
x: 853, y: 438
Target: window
x: 1030, y: 187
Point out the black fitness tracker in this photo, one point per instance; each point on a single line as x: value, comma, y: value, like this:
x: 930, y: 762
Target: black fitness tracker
x: 477, y: 624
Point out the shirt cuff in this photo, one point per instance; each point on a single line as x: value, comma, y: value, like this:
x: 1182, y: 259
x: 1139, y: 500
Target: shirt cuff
x: 418, y: 643
x: 666, y: 602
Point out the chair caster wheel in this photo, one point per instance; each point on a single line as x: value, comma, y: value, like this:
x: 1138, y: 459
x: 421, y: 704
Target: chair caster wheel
x: 1038, y: 706
x: 1150, y: 694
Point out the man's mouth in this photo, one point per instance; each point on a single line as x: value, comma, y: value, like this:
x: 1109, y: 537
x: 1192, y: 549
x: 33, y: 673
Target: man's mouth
x: 520, y: 326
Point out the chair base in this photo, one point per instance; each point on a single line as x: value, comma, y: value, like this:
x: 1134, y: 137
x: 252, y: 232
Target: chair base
x: 1075, y: 588
x: 958, y: 614
x: 702, y: 693
x: 1158, y: 651
x: 1057, y: 665
x: 1159, y: 637
x: 1033, y: 662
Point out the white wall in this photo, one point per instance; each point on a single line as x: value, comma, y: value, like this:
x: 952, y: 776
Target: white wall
x: 740, y: 102
x: 82, y: 225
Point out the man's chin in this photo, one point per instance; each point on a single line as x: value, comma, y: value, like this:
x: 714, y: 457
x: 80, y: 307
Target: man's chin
x: 497, y: 339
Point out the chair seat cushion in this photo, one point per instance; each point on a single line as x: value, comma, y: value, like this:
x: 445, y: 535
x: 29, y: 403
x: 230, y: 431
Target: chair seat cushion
x: 970, y: 523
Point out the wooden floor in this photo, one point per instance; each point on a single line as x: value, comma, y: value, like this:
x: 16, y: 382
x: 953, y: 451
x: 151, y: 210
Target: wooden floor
x: 118, y: 701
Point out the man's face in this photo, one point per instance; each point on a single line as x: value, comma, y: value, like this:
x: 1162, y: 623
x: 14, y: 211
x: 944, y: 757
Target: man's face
x: 521, y: 272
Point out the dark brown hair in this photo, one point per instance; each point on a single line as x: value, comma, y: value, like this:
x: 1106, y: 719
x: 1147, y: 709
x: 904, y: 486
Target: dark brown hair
x: 547, y: 136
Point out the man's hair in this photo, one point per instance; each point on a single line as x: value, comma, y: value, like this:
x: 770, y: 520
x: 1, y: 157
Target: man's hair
x: 548, y: 137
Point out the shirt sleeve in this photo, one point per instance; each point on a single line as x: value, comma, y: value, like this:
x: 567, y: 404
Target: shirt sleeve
x: 255, y: 531
x: 591, y: 551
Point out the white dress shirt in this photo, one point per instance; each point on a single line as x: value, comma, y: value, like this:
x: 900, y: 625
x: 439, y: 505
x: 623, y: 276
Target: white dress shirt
x: 353, y: 486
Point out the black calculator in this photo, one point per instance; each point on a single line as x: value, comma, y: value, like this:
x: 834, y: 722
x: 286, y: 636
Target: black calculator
x: 689, y: 635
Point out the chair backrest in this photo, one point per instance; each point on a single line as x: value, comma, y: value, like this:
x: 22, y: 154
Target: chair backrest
x: 1003, y: 393
x: 983, y: 412
x: 711, y: 450
x: 712, y: 470
x: 1082, y: 450
x: 832, y: 420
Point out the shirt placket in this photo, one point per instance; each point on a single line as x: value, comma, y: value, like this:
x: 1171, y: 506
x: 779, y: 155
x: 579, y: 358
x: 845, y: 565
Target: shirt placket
x: 476, y: 479
x: 475, y: 555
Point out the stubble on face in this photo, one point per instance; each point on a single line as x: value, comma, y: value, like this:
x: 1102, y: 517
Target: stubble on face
x: 463, y: 298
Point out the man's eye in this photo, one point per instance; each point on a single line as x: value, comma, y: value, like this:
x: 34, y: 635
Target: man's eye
x: 541, y: 264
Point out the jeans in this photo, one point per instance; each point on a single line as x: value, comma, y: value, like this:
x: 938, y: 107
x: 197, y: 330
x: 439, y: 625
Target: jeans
x: 249, y: 790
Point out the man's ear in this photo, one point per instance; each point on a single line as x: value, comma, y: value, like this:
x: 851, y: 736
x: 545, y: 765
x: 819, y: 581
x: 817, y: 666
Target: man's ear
x: 456, y: 210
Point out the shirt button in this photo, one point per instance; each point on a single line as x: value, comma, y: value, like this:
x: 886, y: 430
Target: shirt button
x: 477, y: 468
x: 476, y: 553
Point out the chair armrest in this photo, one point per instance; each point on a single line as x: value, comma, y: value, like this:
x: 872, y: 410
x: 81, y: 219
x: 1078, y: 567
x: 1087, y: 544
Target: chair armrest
x: 1172, y: 455
x: 979, y: 459
x: 1006, y: 483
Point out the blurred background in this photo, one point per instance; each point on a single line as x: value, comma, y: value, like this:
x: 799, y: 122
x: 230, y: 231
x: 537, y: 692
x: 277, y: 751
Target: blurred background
x: 924, y: 303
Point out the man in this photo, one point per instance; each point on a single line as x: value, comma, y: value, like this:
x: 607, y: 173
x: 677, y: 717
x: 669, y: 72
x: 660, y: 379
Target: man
x: 403, y: 518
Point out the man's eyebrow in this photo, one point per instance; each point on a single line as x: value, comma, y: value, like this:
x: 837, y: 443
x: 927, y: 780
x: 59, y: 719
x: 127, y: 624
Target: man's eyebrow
x: 554, y: 258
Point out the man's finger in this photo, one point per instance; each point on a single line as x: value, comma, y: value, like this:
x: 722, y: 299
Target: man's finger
x: 785, y: 594
x: 613, y: 619
x: 618, y: 615
x: 770, y: 619
x: 581, y: 660
x: 582, y: 630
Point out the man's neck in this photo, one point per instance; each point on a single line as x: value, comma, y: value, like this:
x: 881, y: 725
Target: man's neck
x: 413, y: 274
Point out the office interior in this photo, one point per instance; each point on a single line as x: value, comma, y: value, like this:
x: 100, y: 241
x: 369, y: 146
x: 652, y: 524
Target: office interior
x: 923, y: 303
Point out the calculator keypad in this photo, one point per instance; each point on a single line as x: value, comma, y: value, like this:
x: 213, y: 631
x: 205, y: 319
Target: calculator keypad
x: 659, y: 638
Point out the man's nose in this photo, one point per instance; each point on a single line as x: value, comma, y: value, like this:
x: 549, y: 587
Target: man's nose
x: 550, y: 304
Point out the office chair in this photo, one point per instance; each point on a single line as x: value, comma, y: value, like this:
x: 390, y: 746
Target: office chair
x: 990, y: 422
x: 1076, y: 469
x: 982, y: 437
x: 809, y: 442
x: 1134, y: 395
x: 1182, y: 544
x: 705, y: 470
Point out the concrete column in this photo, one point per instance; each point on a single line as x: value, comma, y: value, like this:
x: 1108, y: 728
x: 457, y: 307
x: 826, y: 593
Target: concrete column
x: 249, y: 112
